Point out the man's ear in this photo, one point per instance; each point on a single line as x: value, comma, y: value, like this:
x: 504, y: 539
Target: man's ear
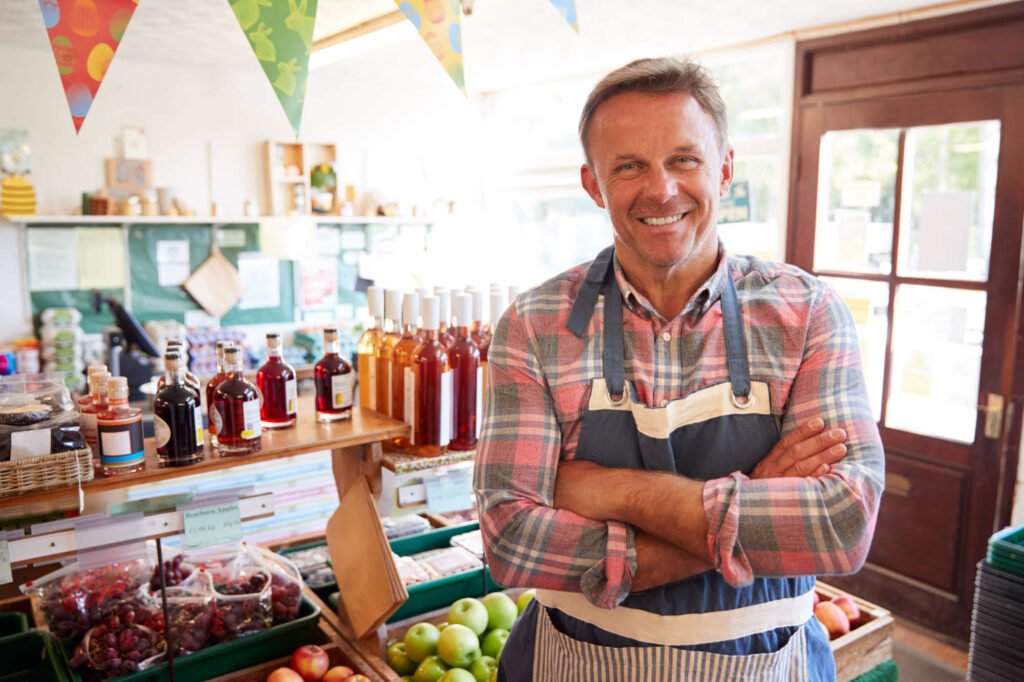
x: 727, y: 172
x: 589, y: 181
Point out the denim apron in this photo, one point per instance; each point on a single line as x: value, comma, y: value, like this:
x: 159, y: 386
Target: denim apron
x: 700, y: 628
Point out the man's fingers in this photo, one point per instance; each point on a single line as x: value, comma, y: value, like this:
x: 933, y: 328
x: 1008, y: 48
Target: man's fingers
x: 802, y: 432
x: 813, y: 465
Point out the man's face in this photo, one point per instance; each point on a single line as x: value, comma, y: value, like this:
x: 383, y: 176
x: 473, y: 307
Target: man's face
x: 655, y: 164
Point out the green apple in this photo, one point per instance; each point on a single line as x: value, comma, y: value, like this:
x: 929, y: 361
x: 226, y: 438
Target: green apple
x: 483, y: 667
x: 421, y: 641
x: 458, y: 646
x: 493, y: 642
x: 399, y: 660
x: 469, y: 612
x: 407, y: 678
x: 494, y: 676
x: 524, y: 599
x: 430, y: 670
x: 458, y: 675
x: 501, y: 611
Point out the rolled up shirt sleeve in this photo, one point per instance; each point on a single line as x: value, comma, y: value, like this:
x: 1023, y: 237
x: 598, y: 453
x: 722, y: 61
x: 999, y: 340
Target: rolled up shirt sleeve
x: 528, y: 542
x: 807, y: 526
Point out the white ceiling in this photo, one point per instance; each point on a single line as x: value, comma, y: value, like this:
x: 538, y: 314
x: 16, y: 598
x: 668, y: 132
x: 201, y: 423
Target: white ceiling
x: 506, y: 42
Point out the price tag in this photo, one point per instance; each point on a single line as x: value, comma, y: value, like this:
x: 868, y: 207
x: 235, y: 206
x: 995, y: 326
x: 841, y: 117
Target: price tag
x: 214, y: 525
x: 449, y: 493
x: 5, y: 563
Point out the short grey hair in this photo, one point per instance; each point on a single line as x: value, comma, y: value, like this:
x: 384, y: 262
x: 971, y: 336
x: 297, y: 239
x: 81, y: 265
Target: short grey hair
x: 664, y: 75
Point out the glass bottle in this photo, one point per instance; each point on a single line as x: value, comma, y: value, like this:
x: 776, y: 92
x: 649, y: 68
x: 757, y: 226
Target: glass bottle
x: 402, y: 361
x: 97, y: 403
x: 86, y: 399
x: 386, y: 350
x: 277, y: 381
x: 191, y: 380
x: 177, y: 417
x: 211, y: 386
x: 428, y: 389
x: 119, y: 429
x: 235, y: 416
x: 367, y: 349
x: 444, y: 337
x: 467, y: 380
x: 335, y: 380
x: 478, y: 330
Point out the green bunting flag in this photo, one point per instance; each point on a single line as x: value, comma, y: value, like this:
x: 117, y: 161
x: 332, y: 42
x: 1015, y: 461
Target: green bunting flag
x: 281, y: 35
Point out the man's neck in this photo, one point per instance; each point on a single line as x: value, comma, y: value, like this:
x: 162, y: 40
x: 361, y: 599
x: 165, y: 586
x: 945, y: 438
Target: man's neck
x: 667, y: 289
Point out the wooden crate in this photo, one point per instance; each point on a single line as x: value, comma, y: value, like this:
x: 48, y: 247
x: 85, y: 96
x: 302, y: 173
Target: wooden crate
x: 866, y: 646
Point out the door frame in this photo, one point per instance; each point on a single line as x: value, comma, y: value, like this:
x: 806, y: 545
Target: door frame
x: 863, y: 80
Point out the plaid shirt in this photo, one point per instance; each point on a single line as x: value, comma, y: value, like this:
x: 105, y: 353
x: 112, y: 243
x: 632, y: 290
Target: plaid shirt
x: 801, y: 342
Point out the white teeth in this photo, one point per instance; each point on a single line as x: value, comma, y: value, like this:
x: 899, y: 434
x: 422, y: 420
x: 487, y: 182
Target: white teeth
x: 662, y: 221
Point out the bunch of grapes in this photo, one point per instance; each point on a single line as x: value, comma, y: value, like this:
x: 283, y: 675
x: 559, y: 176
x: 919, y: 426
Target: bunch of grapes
x: 242, y: 606
x: 175, y: 572
x: 115, y: 647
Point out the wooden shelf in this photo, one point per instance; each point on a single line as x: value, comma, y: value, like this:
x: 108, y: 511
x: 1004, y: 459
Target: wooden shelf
x: 308, y: 435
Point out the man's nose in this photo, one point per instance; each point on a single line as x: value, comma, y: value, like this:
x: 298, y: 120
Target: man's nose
x: 660, y: 185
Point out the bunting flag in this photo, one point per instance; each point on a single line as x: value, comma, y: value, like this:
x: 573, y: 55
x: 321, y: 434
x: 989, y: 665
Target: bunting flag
x: 440, y: 25
x: 567, y: 8
x: 281, y: 35
x: 84, y: 35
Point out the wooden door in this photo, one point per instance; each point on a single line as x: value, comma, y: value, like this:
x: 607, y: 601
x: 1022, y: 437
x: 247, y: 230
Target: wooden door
x: 907, y: 197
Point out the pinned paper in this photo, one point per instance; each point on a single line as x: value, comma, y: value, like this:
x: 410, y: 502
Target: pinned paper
x: 213, y: 525
x: 449, y: 493
x: 101, y: 262
x: 261, y: 278
x: 172, y: 262
x: 440, y: 26
x: 52, y: 259
x: 567, y: 8
x: 281, y: 35
x: 84, y: 35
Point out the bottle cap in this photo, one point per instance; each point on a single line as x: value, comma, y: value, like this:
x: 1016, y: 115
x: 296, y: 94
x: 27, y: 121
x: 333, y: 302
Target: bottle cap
x: 411, y: 309
x: 117, y: 387
x: 496, y: 287
x: 95, y: 369
x: 232, y: 354
x: 273, y: 340
x: 431, y: 310
x: 444, y: 307
x: 98, y: 382
x: 478, y: 305
x: 330, y: 334
x: 497, y: 306
x: 393, y: 305
x: 172, y: 360
x: 463, y: 309
x: 374, y: 301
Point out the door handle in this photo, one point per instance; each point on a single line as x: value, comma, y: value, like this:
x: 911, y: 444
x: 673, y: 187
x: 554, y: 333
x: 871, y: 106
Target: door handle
x: 993, y: 409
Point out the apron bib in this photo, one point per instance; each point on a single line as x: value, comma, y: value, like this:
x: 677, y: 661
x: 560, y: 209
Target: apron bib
x: 701, y: 627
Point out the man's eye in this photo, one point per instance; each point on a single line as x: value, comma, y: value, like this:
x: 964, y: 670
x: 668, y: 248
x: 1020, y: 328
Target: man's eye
x: 686, y: 160
x: 627, y: 167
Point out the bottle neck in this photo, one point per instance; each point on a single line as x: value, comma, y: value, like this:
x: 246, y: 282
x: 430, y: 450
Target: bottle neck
x: 332, y: 347
x: 119, y: 403
x: 431, y: 335
x: 99, y: 398
x: 442, y: 328
x: 478, y: 327
x: 462, y: 332
x: 408, y: 330
x: 174, y: 377
x: 378, y: 323
x: 273, y: 352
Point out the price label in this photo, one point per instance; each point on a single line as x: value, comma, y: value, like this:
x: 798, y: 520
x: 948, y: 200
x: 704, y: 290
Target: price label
x: 449, y: 493
x: 5, y: 563
x: 212, y: 525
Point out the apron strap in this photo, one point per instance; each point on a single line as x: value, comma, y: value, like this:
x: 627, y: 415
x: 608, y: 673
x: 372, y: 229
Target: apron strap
x: 735, y: 340
x: 614, y: 358
x: 586, y: 299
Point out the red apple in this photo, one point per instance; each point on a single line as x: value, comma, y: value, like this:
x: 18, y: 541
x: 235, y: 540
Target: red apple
x: 849, y: 607
x: 339, y: 673
x: 817, y: 599
x: 284, y: 675
x: 833, y: 618
x: 357, y: 678
x: 311, y: 662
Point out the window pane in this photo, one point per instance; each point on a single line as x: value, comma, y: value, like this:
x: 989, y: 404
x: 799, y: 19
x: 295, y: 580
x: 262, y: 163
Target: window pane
x: 949, y: 192
x: 754, y: 88
x: 856, y: 193
x: 869, y: 306
x: 758, y: 236
x: 936, y: 361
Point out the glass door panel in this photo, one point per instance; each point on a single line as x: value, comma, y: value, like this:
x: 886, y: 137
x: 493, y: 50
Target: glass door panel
x: 948, y: 198
x: 936, y: 361
x: 856, y: 201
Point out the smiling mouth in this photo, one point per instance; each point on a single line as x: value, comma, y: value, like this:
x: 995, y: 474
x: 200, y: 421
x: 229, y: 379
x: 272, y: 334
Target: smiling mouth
x: 667, y: 220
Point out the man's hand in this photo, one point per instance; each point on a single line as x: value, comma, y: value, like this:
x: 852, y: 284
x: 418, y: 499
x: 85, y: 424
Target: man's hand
x: 807, y: 450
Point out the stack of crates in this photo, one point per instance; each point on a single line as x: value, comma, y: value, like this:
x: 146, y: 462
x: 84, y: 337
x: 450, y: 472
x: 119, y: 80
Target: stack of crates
x: 997, y: 624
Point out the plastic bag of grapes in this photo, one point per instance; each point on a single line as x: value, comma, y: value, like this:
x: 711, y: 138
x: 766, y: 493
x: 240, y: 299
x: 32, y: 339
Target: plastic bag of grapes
x: 285, y: 584
x: 242, y: 601
x: 116, y: 647
x: 190, y: 613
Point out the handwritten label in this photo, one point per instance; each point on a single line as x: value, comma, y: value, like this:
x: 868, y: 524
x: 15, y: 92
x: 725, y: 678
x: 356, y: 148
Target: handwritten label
x: 5, y: 563
x: 213, y: 525
x: 449, y: 493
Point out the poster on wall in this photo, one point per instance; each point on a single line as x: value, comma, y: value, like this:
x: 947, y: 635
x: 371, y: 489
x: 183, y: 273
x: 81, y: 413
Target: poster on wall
x: 318, y: 283
x: 440, y: 26
x: 84, y: 35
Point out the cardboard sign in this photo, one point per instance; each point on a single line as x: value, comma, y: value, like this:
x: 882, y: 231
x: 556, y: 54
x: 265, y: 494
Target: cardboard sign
x: 214, y: 525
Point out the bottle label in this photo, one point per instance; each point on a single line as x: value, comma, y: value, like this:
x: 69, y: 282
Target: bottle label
x: 371, y: 380
x: 341, y: 390
x: 291, y: 396
x: 87, y: 426
x: 446, y: 408
x: 410, y: 403
x: 479, y: 399
x: 251, y: 425
x: 161, y: 431
x: 390, y: 389
x: 216, y: 422
x: 121, y: 443
x: 200, y: 432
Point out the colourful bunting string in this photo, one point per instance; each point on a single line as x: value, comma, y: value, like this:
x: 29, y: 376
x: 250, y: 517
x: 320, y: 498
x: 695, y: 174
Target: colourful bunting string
x: 440, y: 25
x: 281, y: 35
x: 84, y: 35
x: 567, y: 8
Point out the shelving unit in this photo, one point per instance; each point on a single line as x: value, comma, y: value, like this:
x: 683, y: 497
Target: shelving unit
x: 288, y: 175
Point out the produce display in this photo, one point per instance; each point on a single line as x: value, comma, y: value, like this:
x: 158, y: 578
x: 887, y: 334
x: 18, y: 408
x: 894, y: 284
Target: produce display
x: 310, y: 663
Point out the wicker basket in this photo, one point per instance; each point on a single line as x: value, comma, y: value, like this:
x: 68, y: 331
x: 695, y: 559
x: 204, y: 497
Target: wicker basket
x: 46, y: 471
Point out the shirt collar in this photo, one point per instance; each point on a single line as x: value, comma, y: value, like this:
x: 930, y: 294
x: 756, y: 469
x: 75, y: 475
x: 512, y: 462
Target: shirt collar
x: 706, y: 296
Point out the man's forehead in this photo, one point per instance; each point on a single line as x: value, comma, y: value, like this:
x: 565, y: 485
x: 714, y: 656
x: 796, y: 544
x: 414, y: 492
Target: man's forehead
x: 641, y: 113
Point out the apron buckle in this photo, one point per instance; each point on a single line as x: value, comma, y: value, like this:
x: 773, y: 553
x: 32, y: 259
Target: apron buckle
x: 746, y: 402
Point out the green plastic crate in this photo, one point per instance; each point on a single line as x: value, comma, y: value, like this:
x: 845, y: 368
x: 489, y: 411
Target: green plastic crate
x: 1006, y: 550
x: 13, y: 623
x: 221, y: 659
x: 32, y: 656
x: 322, y: 591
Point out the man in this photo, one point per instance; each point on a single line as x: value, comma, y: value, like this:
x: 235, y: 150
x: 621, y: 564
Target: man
x: 631, y: 466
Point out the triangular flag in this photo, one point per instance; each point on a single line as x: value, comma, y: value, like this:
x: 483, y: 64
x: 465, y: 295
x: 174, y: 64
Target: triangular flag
x: 567, y: 8
x: 281, y: 35
x: 440, y: 25
x: 84, y: 35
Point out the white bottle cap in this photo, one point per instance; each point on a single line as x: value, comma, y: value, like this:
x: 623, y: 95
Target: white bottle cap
x: 423, y: 292
x: 374, y: 302
x: 478, y: 305
x: 463, y: 308
x: 496, y: 287
x: 411, y: 309
x: 392, y: 304
x: 444, y: 305
x: 497, y: 306
x: 430, y: 312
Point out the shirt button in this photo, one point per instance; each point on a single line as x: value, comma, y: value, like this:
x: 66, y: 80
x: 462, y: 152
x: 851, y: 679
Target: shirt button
x: 666, y: 337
